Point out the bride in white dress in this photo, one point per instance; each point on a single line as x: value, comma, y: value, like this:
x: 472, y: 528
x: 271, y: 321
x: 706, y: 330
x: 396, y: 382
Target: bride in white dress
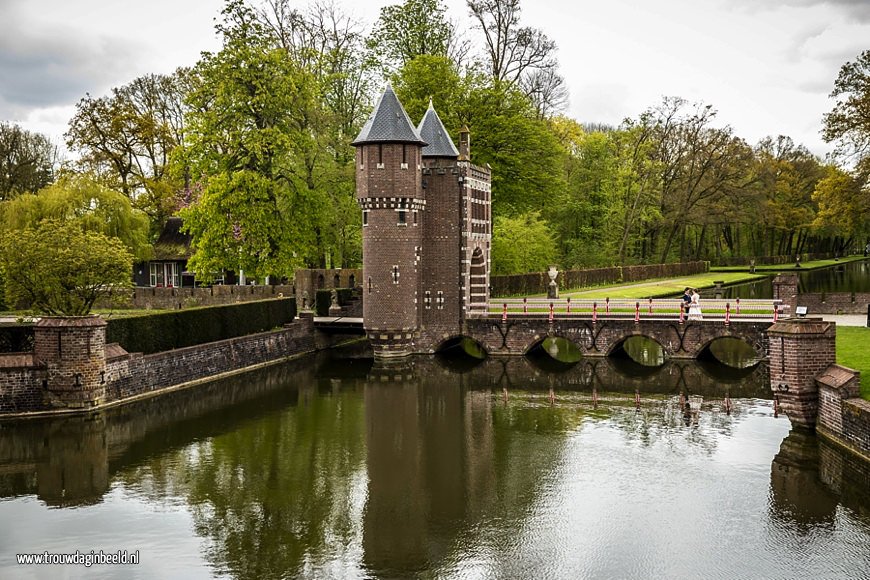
x: 695, y: 306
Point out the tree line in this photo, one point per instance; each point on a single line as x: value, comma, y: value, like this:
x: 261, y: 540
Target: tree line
x: 251, y: 147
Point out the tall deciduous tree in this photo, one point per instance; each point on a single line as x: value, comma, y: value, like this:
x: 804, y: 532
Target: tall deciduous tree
x: 848, y: 124
x: 522, y: 244
x: 252, y: 145
x: 126, y: 139
x: 59, y: 269
x: 415, y: 28
x: 27, y: 161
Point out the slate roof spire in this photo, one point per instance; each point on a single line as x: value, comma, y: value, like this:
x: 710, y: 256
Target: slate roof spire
x: 432, y: 131
x: 388, y: 123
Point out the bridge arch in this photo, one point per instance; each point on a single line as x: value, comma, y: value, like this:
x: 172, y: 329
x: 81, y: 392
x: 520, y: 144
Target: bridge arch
x: 467, y: 344
x: 643, y: 349
x: 560, y: 349
x: 731, y: 351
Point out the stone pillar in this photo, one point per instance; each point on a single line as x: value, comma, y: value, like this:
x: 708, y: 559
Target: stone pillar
x: 73, y: 353
x: 800, y: 349
x: 785, y: 288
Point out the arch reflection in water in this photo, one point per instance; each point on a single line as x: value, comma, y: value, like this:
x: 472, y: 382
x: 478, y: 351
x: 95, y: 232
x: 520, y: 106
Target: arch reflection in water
x: 642, y: 350
x: 732, y: 352
x: 554, y: 353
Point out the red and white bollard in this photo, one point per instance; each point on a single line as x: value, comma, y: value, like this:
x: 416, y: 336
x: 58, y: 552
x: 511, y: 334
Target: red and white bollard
x: 607, y: 306
x: 504, y: 312
x: 569, y: 305
x: 594, y: 312
x: 525, y: 305
x: 727, y: 313
x: 637, y: 311
x: 738, y: 307
x: 682, y: 312
x: 550, y: 318
x: 650, y: 305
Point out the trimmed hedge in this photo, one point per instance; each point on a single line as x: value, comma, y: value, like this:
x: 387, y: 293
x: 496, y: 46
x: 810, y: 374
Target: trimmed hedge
x: 537, y: 282
x: 162, y: 331
x: 323, y: 299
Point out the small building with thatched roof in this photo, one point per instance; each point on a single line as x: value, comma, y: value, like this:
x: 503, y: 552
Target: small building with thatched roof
x: 168, y: 267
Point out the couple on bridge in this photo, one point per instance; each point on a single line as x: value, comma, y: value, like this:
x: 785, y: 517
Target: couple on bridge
x: 692, y: 304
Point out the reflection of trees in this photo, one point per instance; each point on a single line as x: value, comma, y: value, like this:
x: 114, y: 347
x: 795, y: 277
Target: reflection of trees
x: 278, y: 495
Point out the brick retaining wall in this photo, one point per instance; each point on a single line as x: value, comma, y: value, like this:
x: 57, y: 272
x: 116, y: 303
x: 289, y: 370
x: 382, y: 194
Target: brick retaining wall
x: 835, y: 302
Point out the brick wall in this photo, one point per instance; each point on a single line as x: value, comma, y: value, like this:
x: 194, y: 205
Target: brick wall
x: 20, y: 383
x: 129, y: 375
x: 43, y: 381
x: 835, y: 302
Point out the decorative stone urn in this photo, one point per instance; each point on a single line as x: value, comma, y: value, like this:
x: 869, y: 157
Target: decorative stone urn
x: 553, y: 288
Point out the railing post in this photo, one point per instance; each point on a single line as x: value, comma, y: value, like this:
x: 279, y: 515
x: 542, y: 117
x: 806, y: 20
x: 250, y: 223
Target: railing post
x: 637, y: 311
x: 682, y: 311
x: 551, y: 312
x: 650, y: 305
x: 569, y: 305
x: 738, y: 306
x: 595, y: 313
x: 775, y: 311
x: 504, y: 312
x: 607, y: 306
x: 525, y: 305
x: 727, y: 313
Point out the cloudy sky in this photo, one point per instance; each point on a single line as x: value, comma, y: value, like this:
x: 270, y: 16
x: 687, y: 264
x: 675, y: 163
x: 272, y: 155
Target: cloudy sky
x: 767, y: 66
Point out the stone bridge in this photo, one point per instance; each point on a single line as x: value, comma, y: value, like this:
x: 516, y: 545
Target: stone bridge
x: 603, y: 337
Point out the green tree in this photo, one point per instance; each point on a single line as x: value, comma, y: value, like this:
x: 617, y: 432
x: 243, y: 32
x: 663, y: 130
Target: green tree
x: 27, y: 161
x: 254, y: 147
x: 414, y: 28
x: 522, y: 244
x: 844, y: 210
x: 848, y: 124
x: 59, y: 269
x: 126, y: 139
x: 79, y: 200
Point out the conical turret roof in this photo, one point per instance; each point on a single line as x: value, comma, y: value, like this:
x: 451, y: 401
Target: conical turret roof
x: 432, y: 131
x: 388, y: 123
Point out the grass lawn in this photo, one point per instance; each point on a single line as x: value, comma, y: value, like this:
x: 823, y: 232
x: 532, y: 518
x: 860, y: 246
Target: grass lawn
x: 853, y: 351
x: 660, y: 288
x: 789, y: 267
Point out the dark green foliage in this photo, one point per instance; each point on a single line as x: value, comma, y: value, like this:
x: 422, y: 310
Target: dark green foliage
x: 323, y: 299
x: 169, y: 330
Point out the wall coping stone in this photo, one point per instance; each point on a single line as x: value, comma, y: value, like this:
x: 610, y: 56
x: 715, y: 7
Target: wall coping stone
x: 837, y: 377
x: 801, y: 326
x: 93, y: 320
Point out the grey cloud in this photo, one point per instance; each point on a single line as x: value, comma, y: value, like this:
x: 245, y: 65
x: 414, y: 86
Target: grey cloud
x: 42, y: 66
x: 858, y: 10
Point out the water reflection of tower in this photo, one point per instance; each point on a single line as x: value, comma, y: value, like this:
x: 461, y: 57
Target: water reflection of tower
x: 797, y: 492
x: 428, y: 469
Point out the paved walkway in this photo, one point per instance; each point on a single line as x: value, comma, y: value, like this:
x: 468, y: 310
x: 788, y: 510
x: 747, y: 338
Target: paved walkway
x: 846, y: 319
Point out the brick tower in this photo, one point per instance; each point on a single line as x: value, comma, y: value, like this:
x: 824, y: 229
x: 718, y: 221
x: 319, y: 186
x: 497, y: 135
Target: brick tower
x: 456, y: 234
x: 390, y: 194
x: 423, y: 271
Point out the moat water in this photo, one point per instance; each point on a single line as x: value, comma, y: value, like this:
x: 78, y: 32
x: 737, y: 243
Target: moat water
x: 333, y: 467
x: 848, y: 277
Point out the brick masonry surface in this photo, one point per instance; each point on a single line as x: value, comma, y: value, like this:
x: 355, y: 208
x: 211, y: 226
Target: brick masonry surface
x: 73, y: 369
x: 835, y: 302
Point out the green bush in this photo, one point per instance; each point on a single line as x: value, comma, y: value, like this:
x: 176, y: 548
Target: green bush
x: 158, y: 332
